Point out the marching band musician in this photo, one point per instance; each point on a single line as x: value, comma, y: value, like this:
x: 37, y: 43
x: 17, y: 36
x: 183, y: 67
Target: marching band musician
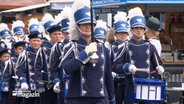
x: 91, y: 79
x: 56, y: 55
x: 152, y: 32
x: 63, y: 20
x: 47, y: 21
x: 122, y: 28
x: 33, y: 25
x: 42, y: 66
x: 9, y: 77
x: 5, y: 35
x: 137, y: 54
x: 25, y: 66
x: 42, y: 30
x: 5, y: 54
x: 18, y: 30
x: 100, y: 31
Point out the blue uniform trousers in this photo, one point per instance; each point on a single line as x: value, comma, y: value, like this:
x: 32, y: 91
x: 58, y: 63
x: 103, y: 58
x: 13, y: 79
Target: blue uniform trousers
x: 4, y: 98
x: 31, y: 100
x: 48, y: 97
x: 119, y: 90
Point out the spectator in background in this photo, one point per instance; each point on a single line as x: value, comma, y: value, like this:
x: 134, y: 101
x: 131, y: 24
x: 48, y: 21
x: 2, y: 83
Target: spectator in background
x: 164, y: 39
x: 152, y: 32
x: 166, y: 42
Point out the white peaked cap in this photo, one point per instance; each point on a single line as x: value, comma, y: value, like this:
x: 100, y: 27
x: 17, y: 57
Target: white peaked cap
x: 101, y: 24
x: 120, y: 16
x: 3, y: 26
x: 47, y: 17
x: 18, y: 23
x: 41, y: 28
x: 135, y: 12
x: 66, y: 12
x: 33, y: 21
x: 57, y: 18
x: 78, y: 4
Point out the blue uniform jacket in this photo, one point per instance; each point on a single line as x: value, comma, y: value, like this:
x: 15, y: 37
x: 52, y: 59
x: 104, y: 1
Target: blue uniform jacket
x: 25, y: 64
x: 88, y: 80
x: 55, y: 59
x: 114, y: 50
x: 9, y: 71
x: 142, y: 54
x: 2, y: 65
x: 42, y: 66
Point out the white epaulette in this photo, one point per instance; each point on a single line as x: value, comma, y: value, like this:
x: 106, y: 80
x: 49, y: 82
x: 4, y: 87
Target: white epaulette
x: 53, y: 49
x: 21, y: 59
x: 39, y: 53
x: 8, y: 62
x: 121, y: 45
x: 64, y: 55
x: 107, y: 45
x: 68, y: 44
x: 54, y: 46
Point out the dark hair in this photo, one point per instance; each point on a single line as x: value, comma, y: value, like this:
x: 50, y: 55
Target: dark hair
x: 20, y: 43
x: 54, y: 28
x: 4, y: 51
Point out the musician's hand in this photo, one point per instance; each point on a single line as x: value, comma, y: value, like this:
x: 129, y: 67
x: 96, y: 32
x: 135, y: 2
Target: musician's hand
x: 23, y: 82
x: 91, y: 48
x: 56, y: 88
x: 160, y: 69
x: 114, y: 74
x: 5, y: 87
x: 40, y: 88
x: 132, y: 69
x: 24, y: 86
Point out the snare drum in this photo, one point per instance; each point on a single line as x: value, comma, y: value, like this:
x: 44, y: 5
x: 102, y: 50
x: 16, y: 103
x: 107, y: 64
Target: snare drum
x: 149, y: 90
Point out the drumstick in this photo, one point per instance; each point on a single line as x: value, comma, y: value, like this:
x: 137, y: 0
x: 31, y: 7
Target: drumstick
x: 156, y: 59
x: 142, y: 69
x: 157, y: 63
x: 43, y: 81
